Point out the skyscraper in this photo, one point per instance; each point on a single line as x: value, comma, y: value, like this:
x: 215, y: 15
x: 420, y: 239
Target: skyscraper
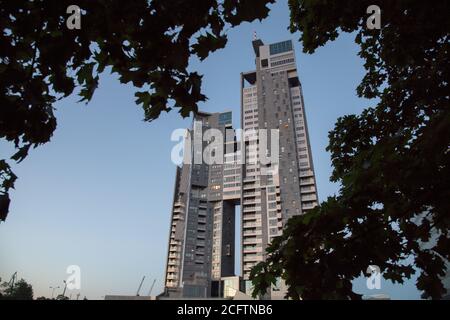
x: 201, y: 245
x: 272, y: 98
x: 202, y: 236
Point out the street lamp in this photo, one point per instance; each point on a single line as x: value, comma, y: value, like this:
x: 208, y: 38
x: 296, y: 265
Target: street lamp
x: 65, y: 286
x: 53, y: 290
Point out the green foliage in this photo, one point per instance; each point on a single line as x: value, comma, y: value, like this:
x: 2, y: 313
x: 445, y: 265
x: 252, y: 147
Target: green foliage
x: 146, y: 43
x: 21, y: 290
x: 392, y: 161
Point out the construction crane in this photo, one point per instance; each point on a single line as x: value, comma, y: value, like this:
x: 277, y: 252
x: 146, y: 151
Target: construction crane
x: 140, y: 286
x: 11, y: 282
x: 10, y: 285
x: 151, y: 288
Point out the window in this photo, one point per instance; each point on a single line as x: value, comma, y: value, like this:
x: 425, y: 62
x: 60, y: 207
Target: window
x: 228, y: 250
x: 278, y: 63
x: 280, y: 47
x: 225, y: 118
x: 304, y: 164
x: 264, y: 63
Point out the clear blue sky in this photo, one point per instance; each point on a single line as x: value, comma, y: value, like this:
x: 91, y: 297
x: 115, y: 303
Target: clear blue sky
x: 99, y: 195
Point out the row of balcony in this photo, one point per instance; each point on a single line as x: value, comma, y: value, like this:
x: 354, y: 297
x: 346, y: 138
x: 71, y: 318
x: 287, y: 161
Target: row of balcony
x: 250, y: 217
x: 172, y: 277
x: 251, y: 194
x: 251, y: 201
x: 251, y: 224
x: 309, y: 197
x: 307, y: 206
x: 174, y: 256
x: 252, y: 233
x: 251, y: 209
x: 252, y: 257
x: 174, y: 263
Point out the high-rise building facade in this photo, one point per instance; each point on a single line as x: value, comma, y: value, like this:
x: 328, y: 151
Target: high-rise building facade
x: 202, y: 236
x: 201, y: 244
x: 272, y: 98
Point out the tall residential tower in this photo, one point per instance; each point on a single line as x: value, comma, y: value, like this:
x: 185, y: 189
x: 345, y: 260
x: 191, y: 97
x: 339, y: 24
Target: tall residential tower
x: 272, y: 98
x: 201, y: 244
x: 202, y: 236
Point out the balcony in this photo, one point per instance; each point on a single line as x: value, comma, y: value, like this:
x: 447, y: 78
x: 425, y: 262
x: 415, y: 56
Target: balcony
x: 249, y: 217
x: 201, y: 236
x: 249, y: 186
x: 309, y: 189
x: 306, y: 181
x: 251, y: 257
x: 174, y: 256
x: 250, y: 225
x: 174, y: 249
x: 172, y: 277
x: 174, y: 263
x: 308, y: 206
x: 308, y: 173
x: 247, y: 233
x: 200, y: 243
x: 309, y: 197
x: 249, y: 179
x: 249, y: 266
x: 253, y: 249
x: 178, y: 210
x: 252, y: 202
x: 251, y: 209
x: 251, y: 240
